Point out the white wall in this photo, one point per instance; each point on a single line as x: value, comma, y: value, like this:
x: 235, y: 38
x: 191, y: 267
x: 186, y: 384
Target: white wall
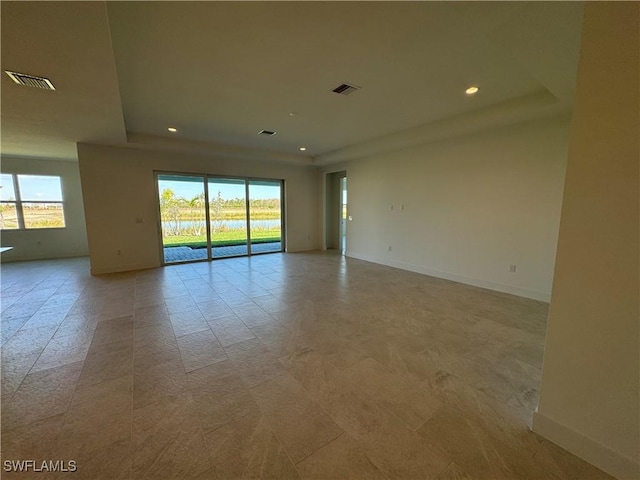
x: 70, y: 241
x: 473, y: 205
x: 590, y: 394
x: 118, y: 186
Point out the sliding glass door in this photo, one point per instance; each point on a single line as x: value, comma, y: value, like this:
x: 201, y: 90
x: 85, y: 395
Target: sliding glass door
x: 265, y: 211
x: 183, y: 218
x: 204, y: 217
x: 228, y: 216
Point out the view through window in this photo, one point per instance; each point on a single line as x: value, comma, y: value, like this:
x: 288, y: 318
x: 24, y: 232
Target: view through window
x: 204, y: 217
x: 30, y: 202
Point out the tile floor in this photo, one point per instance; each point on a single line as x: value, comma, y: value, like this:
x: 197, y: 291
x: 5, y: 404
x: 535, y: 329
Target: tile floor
x: 277, y: 366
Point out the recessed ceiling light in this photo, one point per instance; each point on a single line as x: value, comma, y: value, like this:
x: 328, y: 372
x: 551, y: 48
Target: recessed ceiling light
x: 471, y: 90
x: 172, y: 129
x: 292, y: 114
x: 303, y: 148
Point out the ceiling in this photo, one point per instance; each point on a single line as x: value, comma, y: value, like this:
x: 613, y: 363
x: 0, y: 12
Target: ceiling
x: 222, y: 71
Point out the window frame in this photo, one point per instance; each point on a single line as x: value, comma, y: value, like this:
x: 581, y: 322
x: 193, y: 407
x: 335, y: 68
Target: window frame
x: 18, y: 202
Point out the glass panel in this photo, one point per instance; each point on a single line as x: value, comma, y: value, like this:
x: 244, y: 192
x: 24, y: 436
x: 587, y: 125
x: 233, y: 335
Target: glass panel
x: 8, y: 216
x: 43, y: 215
x: 182, y: 215
x: 38, y: 188
x: 265, y: 212
x: 6, y: 187
x: 228, y: 216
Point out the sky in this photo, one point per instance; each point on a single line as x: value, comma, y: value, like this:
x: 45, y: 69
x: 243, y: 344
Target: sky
x: 32, y: 188
x: 228, y: 188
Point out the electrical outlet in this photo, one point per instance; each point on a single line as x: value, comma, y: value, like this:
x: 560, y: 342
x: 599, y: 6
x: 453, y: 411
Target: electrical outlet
x: 512, y: 268
x: 119, y: 252
x: 389, y: 247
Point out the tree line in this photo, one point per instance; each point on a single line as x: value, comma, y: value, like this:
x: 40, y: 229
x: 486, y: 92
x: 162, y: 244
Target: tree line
x: 176, y: 210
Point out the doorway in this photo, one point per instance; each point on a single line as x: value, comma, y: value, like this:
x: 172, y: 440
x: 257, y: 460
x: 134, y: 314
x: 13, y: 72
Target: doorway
x: 343, y: 215
x: 336, y: 210
x: 204, y: 217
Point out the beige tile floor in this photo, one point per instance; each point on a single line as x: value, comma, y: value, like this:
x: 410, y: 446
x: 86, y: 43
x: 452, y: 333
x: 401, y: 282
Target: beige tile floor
x: 279, y: 366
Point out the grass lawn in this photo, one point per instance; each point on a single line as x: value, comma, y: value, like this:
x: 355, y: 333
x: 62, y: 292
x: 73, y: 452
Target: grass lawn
x: 222, y: 239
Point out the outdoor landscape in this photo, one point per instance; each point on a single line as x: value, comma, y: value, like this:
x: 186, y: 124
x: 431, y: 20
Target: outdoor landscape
x: 38, y: 199
x: 184, y: 222
x: 36, y: 215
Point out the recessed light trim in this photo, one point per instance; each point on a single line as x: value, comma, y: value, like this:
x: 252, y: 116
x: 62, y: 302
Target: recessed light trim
x: 172, y: 129
x: 471, y: 90
x: 267, y: 133
x: 302, y: 149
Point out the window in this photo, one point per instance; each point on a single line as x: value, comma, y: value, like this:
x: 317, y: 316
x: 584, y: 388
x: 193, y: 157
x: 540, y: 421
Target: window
x: 30, y: 201
x: 8, y: 210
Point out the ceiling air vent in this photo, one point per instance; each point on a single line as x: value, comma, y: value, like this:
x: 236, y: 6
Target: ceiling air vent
x: 30, y: 80
x: 266, y: 133
x: 345, y: 89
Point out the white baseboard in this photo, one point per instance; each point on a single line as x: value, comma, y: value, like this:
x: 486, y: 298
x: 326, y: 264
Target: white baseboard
x: 129, y: 267
x: 10, y: 256
x: 499, y: 287
x: 584, y: 447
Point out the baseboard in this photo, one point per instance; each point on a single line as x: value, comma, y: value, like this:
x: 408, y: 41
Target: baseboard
x: 586, y: 448
x: 130, y: 267
x: 498, y: 287
x: 8, y: 257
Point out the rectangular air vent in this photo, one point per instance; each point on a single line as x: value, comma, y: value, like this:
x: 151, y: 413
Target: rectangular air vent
x: 30, y: 80
x: 345, y: 89
x: 267, y: 133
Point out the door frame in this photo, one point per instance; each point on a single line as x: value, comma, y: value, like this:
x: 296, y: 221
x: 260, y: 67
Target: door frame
x: 332, y: 201
x: 344, y: 208
x: 206, y: 176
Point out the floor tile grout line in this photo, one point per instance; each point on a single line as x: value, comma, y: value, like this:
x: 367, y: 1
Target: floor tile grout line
x: 365, y: 395
x: 340, y: 435
x: 437, y: 477
x: 38, y: 358
x: 332, y: 419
